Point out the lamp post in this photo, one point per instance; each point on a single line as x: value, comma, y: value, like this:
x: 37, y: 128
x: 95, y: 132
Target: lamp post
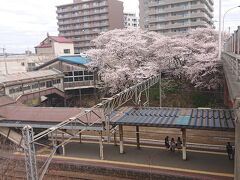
x: 220, y: 31
x: 226, y: 14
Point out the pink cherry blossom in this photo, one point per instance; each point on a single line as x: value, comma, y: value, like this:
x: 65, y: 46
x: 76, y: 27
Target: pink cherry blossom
x: 125, y: 57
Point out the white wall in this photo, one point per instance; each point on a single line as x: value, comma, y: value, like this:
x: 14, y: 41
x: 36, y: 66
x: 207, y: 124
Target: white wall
x: 59, y: 48
x: 44, y: 51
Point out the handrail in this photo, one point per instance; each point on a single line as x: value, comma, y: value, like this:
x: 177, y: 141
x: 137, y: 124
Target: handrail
x: 233, y: 62
x: 232, y: 45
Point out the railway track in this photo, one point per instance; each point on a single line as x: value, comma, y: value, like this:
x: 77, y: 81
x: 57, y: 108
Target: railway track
x: 13, y: 168
x: 20, y: 174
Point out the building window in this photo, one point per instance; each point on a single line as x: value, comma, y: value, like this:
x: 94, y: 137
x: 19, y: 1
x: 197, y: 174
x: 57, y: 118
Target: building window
x: 56, y: 81
x: 68, y: 73
x: 35, y: 86
x: 66, y: 51
x: 78, y: 78
x: 88, y: 73
x: 68, y: 79
x: 88, y: 78
x: 49, y: 84
x: 42, y: 84
x: 78, y: 73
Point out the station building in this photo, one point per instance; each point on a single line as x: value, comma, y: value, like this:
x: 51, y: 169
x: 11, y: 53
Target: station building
x: 29, y: 85
x: 76, y: 74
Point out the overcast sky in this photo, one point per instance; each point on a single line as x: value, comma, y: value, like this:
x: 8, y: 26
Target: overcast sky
x: 24, y: 23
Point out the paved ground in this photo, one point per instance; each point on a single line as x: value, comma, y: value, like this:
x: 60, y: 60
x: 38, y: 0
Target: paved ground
x: 198, y: 161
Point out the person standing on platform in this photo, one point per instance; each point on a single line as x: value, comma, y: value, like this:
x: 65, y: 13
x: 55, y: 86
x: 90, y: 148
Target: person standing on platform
x: 172, y: 145
x: 179, y: 143
x: 167, y: 142
x: 229, y: 149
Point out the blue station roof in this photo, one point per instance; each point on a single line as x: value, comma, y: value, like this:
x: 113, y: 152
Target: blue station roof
x: 205, y: 119
x: 74, y: 59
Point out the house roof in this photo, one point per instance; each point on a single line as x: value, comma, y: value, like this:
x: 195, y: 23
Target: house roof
x: 59, y: 39
x: 43, y: 46
x: 77, y: 59
x: 74, y: 59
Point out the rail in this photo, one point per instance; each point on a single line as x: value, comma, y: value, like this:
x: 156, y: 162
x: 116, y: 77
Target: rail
x: 233, y: 62
x: 232, y: 45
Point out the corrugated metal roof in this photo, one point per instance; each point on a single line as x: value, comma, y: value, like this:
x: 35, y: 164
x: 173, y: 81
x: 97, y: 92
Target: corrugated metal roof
x: 5, y: 100
x: 74, y: 59
x: 211, y: 119
x: 28, y: 75
x: 38, y: 114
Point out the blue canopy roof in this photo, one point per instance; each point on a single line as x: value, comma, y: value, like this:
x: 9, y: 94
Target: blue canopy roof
x: 205, y: 119
x: 74, y: 59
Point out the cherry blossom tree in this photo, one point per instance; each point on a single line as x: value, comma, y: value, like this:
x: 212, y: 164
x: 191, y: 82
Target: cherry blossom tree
x: 124, y: 57
x: 203, y: 68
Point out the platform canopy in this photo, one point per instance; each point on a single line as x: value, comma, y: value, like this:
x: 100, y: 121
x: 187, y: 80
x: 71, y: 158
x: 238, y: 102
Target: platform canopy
x: 205, y: 119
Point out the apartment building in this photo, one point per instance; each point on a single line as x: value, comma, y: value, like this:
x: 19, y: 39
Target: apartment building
x: 171, y: 17
x: 131, y: 20
x: 83, y: 20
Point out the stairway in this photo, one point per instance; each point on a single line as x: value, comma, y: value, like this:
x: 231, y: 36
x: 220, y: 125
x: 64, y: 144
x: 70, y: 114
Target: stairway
x: 12, y: 135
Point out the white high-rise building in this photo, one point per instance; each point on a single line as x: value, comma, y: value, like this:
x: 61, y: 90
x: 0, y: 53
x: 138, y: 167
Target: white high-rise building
x: 131, y: 20
x: 174, y: 16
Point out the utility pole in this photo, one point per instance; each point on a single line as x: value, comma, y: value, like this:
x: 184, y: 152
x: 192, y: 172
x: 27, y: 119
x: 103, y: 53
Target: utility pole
x: 160, y: 90
x: 4, y: 59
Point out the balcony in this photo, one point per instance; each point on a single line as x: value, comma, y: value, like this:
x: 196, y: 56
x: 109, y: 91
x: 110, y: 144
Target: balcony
x: 82, y: 14
x: 79, y: 33
x: 83, y: 27
x: 77, y: 7
x: 177, y: 9
x: 179, y: 17
x: 165, y: 2
x: 169, y: 2
x: 177, y: 25
x: 83, y: 20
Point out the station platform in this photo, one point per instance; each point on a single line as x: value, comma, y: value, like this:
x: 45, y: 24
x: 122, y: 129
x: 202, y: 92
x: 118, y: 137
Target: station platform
x: 199, y: 164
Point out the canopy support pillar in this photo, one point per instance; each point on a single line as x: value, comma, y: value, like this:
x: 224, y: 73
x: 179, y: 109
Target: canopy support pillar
x: 184, y: 148
x: 63, y: 146
x: 138, y: 137
x: 101, y: 146
x: 121, y: 139
x: 115, y: 138
x: 80, y: 137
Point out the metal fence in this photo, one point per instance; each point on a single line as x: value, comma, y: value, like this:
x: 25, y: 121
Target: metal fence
x: 232, y: 45
x: 231, y: 55
x: 232, y: 64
